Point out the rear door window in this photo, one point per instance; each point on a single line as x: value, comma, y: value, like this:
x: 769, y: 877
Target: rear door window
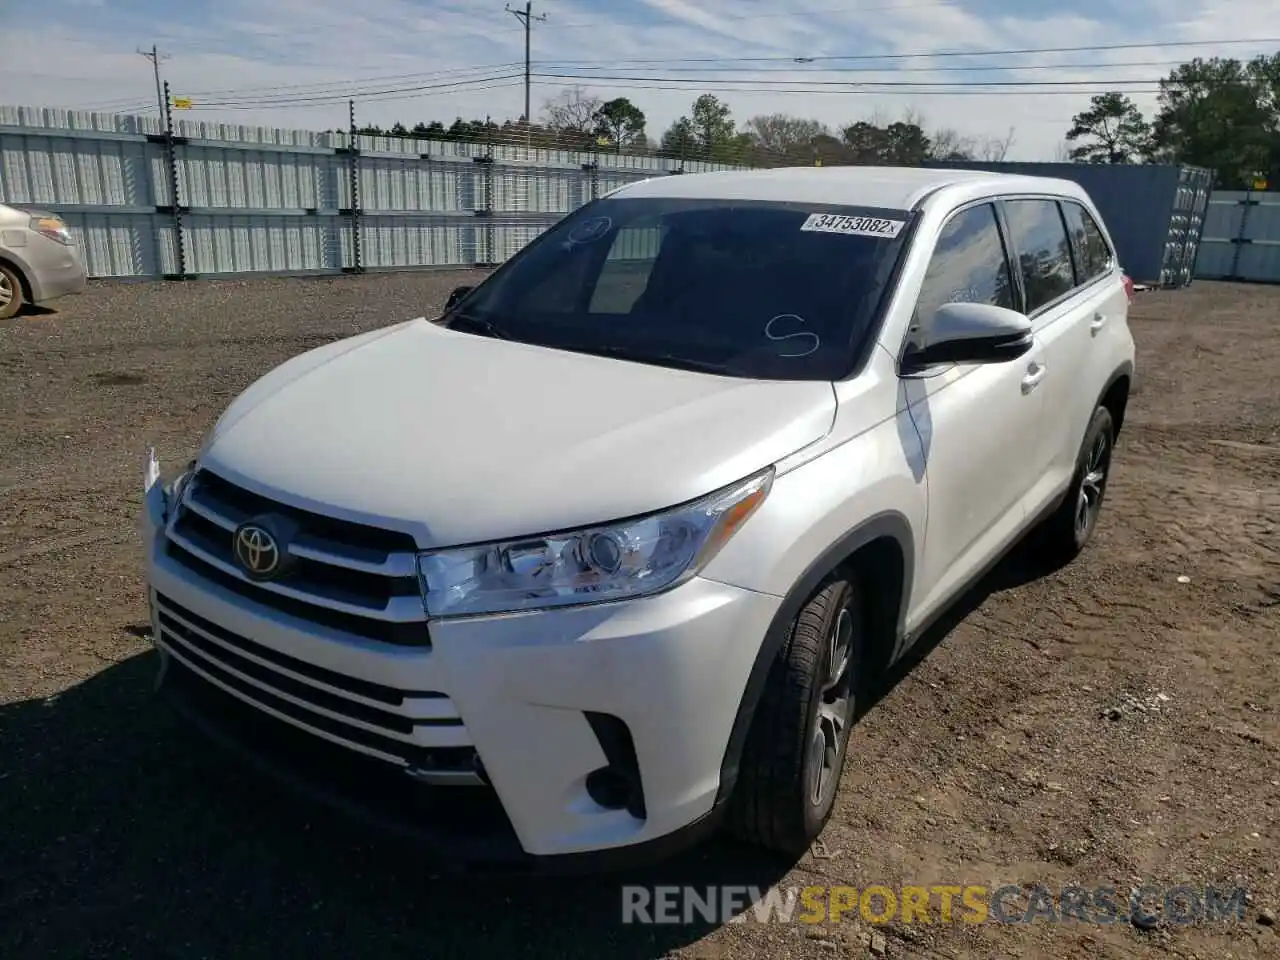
x: 1039, y: 237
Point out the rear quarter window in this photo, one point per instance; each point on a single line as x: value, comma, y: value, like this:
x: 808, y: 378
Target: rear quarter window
x: 1094, y: 256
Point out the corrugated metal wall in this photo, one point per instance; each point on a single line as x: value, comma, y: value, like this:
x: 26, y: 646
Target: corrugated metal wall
x: 257, y: 200
x: 1241, y: 237
x: 1154, y: 213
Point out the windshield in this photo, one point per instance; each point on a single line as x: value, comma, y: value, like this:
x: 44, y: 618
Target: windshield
x: 754, y: 289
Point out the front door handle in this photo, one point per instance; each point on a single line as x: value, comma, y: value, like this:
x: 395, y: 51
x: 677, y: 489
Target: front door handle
x: 1035, y: 373
x: 1099, y: 321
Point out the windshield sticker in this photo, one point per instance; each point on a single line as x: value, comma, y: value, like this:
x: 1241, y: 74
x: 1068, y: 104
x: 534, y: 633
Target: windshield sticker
x: 853, y: 226
x: 805, y: 336
x: 589, y: 230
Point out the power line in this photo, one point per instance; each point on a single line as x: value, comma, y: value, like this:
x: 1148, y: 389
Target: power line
x: 927, y: 55
x: 742, y: 85
x: 352, y: 87
x: 526, y: 17
x: 276, y: 96
x: 286, y: 99
x: 940, y: 89
x: 700, y: 82
x: 515, y: 80
x: 1082, y: 88
x: 348, y: 88
x: 342, y: 89
x: 336, y: 85
x: 972, y: 68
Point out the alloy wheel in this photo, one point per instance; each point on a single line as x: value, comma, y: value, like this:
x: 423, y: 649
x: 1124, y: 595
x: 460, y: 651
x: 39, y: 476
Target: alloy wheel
x: 1092, y: 484
x: 830, y: 730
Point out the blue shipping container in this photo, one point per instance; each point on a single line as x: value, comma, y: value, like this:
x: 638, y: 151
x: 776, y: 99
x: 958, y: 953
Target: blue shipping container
x: 1155, y: 213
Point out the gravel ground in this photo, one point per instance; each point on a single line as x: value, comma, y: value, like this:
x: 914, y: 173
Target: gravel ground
x: 1111, y: 723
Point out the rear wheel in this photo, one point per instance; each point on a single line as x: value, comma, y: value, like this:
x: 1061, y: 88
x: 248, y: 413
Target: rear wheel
x: 799, y: 737
x: 10, y: 292
x: 1068, y: 530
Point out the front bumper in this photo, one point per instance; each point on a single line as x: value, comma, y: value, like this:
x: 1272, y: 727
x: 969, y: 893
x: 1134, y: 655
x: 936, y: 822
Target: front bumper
x: 538, y: 698
x: 58, y: 271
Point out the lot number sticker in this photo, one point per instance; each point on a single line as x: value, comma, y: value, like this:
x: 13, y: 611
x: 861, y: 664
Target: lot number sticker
x: 853, y: 226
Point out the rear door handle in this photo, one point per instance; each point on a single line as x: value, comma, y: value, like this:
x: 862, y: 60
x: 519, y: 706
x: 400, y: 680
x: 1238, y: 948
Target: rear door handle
x: 1035, y: 373
x: 1099, y: 321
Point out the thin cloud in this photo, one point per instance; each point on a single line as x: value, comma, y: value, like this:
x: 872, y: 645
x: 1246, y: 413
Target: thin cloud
x: 285, y: 45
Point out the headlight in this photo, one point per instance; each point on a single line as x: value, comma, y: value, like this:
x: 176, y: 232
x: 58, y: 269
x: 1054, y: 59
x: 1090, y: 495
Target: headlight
x: 628, y: 559
x: 53, y: 228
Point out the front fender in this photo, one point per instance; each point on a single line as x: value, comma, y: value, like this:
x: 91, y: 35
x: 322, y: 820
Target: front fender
x: 816, y: 517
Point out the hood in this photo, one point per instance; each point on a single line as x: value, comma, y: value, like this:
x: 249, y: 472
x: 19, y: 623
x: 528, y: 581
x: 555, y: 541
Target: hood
x: 457, y: 438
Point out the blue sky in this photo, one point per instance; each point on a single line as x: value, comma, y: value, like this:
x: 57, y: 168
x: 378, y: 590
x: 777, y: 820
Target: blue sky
x: 82, y: 53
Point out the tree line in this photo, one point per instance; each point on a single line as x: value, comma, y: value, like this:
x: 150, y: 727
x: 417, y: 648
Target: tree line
x: 576, y: 120
x: 1219, y: 113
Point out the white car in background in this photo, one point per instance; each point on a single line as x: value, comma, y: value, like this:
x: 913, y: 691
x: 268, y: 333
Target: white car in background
x: 39, y: 259
x: 608, y: 555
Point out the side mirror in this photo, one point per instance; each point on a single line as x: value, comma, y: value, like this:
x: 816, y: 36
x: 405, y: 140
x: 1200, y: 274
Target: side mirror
x: 457, y: 294
x: 970, y: 333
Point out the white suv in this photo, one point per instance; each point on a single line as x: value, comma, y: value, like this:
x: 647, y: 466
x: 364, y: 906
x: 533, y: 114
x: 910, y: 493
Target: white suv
x: 606, y: 555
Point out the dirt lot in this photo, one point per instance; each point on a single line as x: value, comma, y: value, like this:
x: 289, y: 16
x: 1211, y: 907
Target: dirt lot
x: 1116, y: 722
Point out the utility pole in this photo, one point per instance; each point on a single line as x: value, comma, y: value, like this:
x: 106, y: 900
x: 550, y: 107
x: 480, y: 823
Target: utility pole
x: 526, y: 17
x: 155, y: 57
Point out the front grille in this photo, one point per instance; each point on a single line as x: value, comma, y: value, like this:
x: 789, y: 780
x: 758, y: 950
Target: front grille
x: 346, y: 576
x: 419, y: 729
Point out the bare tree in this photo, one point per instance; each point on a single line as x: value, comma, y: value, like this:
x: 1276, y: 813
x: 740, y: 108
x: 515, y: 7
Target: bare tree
x: 572, y: 111
x: 779, y: 132
x: 996, y: 149
x: 914, y: 117
x: 1062, y: 153
x: 948, y: 143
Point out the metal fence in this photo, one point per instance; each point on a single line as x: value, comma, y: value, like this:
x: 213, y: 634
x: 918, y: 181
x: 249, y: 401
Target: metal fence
x: 1241, y: 237
x: 217, y: 199
x: 191, y: 198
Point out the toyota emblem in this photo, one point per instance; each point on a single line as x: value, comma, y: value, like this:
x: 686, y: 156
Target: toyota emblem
x: 257, y: 550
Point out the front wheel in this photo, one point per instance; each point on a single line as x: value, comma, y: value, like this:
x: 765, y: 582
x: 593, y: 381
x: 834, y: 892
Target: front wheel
x: 10, y: 293
x: 1068, y: 530
x: 795, y: 750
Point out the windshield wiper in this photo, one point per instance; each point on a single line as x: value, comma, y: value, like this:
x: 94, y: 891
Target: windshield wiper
x: 481, y: 325
x: 658, y: 359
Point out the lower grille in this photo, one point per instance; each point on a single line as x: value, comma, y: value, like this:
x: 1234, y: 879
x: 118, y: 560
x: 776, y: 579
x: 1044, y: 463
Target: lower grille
x: 467, y: 822
x: 417, y: 729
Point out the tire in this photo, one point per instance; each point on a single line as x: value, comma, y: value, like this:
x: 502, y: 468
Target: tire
x: 1068, y: 530
x: 10, y: 292
x: 786, y: 789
